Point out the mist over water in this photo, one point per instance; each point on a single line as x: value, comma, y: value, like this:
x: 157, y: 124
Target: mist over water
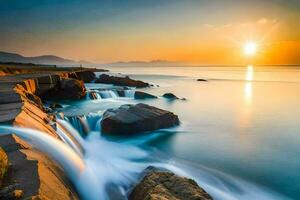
x: 236, y: 137
x: 108, y: 170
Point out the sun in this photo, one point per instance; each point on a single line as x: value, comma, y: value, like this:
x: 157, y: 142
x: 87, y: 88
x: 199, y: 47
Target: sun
x: 250, y: 48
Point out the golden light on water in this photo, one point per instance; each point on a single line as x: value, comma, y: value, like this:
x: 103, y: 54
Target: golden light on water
x: 249, y: 73
x: 248, y: 84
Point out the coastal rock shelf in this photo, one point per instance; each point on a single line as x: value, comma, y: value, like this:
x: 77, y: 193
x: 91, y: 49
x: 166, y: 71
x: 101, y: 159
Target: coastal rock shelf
x: 130, y: 119
x: 31, y: 174
x: 26, y: 173
x: 121, y: 81
x: 38, y: 84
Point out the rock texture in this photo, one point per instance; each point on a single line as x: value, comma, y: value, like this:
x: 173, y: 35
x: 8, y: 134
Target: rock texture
x: 121, y: 81
x: 170, y: 96
x: 37, y: 80
x: 130, y: 119
x: 66, y: 88
x: 3, y: 165
x: 143, y: 95
x: 162, y: 185
x: 31, y: 175
x: 201, y: 79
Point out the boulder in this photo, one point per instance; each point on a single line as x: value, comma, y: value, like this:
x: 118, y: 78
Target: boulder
x: 86, y: 76
x: 131, y: 119
x: 121, y: 93
x: 55, y: 106
x: 143, y: 95
x: 121, y: 81
x: 170, y: 96
x: 164, y: 185
x: 201, y: 79
x: 66, y: 88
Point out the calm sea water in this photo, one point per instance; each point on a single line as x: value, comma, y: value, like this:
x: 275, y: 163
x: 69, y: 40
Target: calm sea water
x: 243, y: 122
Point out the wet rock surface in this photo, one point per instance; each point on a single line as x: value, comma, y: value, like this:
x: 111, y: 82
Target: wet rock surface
x: 3, y: 165
x: 31, y: 175
x: 201, y: 79
x: 121, y: 81
x: 131, y: 119
x: 55, y: 106
x: 170, y: 96
x: 67, y: 88
x: 143, y: 95
x: 85, y: 76
x: 164, y: 185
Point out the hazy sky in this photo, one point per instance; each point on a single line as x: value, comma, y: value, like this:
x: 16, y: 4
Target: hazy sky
x: 202, y: 31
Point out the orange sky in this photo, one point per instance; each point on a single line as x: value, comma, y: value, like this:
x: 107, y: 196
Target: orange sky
x: 203, y: 32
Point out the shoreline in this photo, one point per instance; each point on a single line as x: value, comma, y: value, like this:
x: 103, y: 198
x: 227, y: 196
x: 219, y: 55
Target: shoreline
x: 23, y: 94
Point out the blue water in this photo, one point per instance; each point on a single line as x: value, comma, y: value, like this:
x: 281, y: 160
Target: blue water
x: 243, y: 122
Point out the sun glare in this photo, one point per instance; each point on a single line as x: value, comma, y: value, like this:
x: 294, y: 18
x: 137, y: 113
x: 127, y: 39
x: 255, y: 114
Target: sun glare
x: 250, y: 48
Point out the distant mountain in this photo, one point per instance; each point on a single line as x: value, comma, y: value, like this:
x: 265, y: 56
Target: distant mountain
x: 45, y: 59
x: 152, y: 62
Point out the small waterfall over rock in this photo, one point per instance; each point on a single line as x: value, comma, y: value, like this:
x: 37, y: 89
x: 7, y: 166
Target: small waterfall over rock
x: 129, y: 93
x: 85, y: 123
x: 106, y: 94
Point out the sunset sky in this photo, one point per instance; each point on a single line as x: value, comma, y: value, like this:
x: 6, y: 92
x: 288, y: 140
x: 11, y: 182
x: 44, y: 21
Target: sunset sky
x: 203, y: 31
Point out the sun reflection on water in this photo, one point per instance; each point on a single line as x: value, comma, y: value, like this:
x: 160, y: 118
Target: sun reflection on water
x: 248, y: 85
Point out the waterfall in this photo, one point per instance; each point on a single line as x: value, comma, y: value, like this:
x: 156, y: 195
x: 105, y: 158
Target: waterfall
x: 59, y: 151
x: 94, y: 164
x: 106, y: 94
x: 85, y: 123
x: 129, y: 93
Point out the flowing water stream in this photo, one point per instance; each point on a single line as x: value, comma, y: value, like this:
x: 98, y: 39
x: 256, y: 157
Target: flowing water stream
x: 230, y: 139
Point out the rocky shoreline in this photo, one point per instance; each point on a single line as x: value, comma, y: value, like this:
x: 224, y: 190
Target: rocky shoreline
x: 27, y: 173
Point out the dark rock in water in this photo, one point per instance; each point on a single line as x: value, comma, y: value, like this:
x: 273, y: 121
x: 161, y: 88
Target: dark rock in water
x: 121, y: 81
x: 201, y: 79
x: 130, y: 119
x: 55, y: 106
x: 170, y: 96
x: 143, y: 95
x: 121, y: 93
x: 164, y: 185
x: 93, y: 95
x: 67, y: 88
x: 85, y: 76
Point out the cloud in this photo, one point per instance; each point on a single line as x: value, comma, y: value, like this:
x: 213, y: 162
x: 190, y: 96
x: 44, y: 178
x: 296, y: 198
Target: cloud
x: 262, y: 21
x: 208, y: 26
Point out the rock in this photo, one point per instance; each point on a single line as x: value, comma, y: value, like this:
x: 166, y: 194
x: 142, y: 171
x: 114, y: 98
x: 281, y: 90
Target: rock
x: 170, y: 96
x: 31, y: 174
x: 93, y: 95
x: 3, y: 164
x: 55, y: 106
x: 85, y: 75
x: 121, y: 81
x: 164, y: 185
x: 130, y: 119
x: 201, y: 79
x: 18, y: 194
x: 67, y: 88
x: 143, y: 95
x: 121, y: 93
